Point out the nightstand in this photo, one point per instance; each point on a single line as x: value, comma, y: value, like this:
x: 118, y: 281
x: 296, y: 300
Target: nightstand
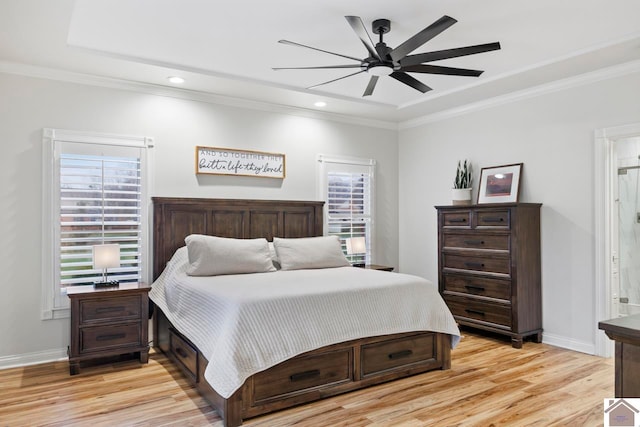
x: 377, y: 267
x: 108, y: 322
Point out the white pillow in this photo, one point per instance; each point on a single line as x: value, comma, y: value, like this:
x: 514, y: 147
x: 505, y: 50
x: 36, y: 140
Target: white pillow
x: 310, y: 252
x: 212, y: 256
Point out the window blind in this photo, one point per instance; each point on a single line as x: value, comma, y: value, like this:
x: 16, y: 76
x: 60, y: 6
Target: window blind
x: 348, y: 193
x: 100, y: 202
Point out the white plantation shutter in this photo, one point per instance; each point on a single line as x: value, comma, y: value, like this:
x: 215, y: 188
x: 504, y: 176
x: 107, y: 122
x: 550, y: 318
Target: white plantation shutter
x: 346, y: 186
x: 100, y: 202
x: 95, y: 190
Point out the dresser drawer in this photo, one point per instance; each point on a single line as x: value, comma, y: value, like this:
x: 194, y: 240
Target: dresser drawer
x: 105, y: 309
x: 97, y: 338
x: 478, y: 286
x: 469, y: 308
x: 493, y: 218
x: 399, y: 353
x: 477, y: 241
x: 457, y: 219
x: 303, y: 374
x: 184, y: 353
x: 487, y: 264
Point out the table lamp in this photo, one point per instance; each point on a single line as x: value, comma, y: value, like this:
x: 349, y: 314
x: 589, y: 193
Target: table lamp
x: 356, y: 246
x: 104, y: 257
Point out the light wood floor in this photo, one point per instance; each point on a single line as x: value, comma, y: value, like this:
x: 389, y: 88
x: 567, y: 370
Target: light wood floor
x: 489, y: 384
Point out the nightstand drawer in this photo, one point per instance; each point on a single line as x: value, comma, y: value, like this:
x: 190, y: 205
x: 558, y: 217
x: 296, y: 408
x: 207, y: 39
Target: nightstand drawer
x: 106, y: 309
x: 184, y: 353
x: 97, y: 338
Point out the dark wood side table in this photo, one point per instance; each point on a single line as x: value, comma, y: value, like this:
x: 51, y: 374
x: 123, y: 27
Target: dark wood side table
x: 107, y: 322
x: 625, y: 331
x: 376, y: 267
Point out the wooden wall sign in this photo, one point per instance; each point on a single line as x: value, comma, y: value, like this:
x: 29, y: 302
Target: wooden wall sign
x: 226, y: 161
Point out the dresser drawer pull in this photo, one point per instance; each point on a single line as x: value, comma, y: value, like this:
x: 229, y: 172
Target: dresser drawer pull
x: 458, y: 220
x: 110, y: 309
x: 474, y: 288
x: 304, y: 375
x: 400, y: 354
x: 478, y: 312
x: 474, y: 264
x: 181, y: 352
x: 494, y: 219
x: 474, y: 242
x: 110, y: 337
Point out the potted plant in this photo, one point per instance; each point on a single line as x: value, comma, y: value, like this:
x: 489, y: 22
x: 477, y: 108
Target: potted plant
x: 461, y: 193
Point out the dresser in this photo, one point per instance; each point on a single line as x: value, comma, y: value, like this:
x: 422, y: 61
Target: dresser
x: 107, y: 322
x: 625, y: 331
x: 489, y: 267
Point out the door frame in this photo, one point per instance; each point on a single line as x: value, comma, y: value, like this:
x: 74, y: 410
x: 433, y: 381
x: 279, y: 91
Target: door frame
x: 605, y: 173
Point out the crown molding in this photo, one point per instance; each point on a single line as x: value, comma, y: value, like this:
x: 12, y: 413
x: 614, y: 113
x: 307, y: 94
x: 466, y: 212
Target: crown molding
x: 191, y: 95
x: 543, y: 89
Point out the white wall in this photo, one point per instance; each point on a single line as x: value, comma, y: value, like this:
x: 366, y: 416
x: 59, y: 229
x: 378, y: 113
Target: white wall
x: 27, y: 105
x: 552, y: 134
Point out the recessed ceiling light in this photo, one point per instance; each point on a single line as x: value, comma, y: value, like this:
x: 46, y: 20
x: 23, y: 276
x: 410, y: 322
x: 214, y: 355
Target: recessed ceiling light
x: 320, y: 104
x: 176, y: 80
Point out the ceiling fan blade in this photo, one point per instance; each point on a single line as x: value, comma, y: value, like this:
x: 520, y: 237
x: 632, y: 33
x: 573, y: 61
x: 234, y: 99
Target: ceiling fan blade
x: 448, y: 53
x: 436, y: 69
x: 361, y: 32
x: 410, y: 81
x: 290, y: 43
x: 422, y: 37
x: 317, y: 68
x: 335, y: 80
x: 371, y: 86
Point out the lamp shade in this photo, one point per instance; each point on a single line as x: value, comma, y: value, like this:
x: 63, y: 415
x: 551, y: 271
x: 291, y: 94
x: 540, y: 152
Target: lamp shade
x: 106, y: 256
x: 356, y: 245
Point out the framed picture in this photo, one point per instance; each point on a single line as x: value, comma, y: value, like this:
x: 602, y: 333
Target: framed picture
x: 228, y: 161
x: 500, y: 184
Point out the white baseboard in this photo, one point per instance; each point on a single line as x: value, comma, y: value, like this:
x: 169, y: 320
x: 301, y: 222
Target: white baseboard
x: 569, y: 343
x: 32, y: 358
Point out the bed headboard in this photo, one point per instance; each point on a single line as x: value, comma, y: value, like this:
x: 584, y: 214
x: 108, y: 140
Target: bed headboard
x: 175, y: 218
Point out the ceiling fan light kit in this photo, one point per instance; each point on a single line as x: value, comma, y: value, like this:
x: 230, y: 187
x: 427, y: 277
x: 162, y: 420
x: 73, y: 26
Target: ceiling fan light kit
x: 384, y: 61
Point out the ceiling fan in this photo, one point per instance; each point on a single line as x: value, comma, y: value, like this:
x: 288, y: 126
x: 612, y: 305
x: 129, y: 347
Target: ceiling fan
x: 385, y: 61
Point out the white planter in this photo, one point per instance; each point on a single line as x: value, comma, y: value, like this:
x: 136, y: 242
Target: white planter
x: 461, y: 196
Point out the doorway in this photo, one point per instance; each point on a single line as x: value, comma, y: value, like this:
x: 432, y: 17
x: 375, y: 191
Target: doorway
x: 626, y: 229
x: 608, y: 266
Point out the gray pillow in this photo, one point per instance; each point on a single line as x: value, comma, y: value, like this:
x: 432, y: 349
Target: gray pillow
x: 212, y: 256
x: 310, y: 252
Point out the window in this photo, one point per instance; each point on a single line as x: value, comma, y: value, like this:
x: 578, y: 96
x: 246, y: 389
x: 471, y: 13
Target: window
x: 95, y: 193
x: 346, y: 186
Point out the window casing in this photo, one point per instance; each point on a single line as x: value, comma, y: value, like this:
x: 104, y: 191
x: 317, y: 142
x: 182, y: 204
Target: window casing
x: 95, y: 192
x: 347, y: 187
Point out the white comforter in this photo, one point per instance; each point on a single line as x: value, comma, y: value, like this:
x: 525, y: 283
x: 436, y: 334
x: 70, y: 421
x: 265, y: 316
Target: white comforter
x: 246, y: 323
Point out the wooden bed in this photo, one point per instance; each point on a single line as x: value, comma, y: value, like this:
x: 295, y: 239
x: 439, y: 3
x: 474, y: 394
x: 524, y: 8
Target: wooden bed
x: 311, y: 376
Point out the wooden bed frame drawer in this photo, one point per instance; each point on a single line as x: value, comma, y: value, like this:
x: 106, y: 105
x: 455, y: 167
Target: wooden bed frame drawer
x: 303, y: 374
x: 477, y: 286
x: 106, y: 309
x: 184, y: 353
x: 98, y: 338
x: 487, y: 312
x: 384, y: 356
